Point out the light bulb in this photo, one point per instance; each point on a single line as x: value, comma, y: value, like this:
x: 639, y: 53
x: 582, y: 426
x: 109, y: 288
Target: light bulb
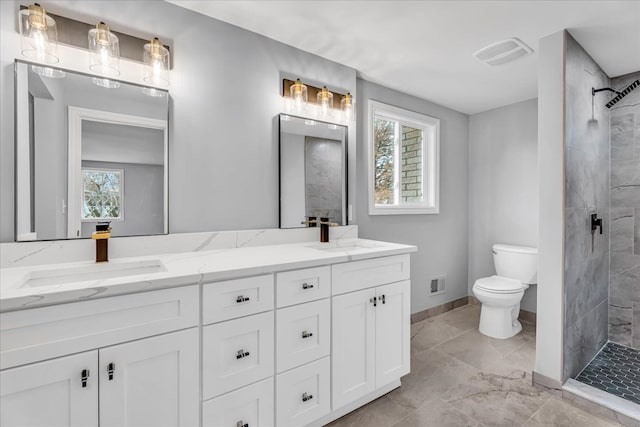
x: 325, y: 101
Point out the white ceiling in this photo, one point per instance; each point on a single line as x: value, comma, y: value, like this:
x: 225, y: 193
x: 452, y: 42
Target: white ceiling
x: 424, y: 48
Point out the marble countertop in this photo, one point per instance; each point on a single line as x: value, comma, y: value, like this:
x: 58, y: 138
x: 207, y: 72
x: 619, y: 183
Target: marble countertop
x: 26, y: 287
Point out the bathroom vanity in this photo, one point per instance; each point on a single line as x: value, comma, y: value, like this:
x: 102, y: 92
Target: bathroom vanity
x: 287, y: 335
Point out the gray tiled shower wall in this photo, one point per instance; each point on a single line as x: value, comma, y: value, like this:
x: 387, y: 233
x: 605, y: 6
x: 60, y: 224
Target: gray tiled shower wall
x: 624, y: 293
x: 586, y: 273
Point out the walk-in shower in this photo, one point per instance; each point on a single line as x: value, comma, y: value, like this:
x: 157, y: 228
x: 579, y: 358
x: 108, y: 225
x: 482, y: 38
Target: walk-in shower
x: 601, y: 336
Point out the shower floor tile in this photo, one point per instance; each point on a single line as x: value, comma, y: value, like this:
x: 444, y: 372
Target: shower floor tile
x: 616, y: 370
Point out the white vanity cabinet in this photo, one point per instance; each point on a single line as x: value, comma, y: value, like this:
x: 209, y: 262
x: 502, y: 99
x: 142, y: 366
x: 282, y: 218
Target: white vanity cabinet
x: 144, y: 381
x: 291, y: 348
x: 371, y: 327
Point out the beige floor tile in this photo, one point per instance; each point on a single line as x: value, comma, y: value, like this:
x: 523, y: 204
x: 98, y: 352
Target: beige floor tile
x: 436, y: 413
x: 429, y: 333
x: 498, y: 400
x: 433, y: 374
x: 465, y: 318
x: 557, y: 413
x: 382, y: 412
x: 479, y: 350
x: 523, y: 358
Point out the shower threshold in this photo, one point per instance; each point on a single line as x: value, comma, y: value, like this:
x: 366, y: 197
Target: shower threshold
x: 616, y: 370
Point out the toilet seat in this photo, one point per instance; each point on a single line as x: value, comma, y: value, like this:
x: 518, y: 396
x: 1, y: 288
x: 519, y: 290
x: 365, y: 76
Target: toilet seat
x: 500, y: 285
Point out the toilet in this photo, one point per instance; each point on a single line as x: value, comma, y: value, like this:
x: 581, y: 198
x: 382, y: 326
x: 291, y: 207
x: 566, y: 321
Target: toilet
x: 500, y: 295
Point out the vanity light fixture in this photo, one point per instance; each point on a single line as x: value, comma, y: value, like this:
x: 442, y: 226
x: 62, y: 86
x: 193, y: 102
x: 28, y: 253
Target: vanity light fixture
x: 325, y: 101
x: 298, y: 92
x: 105, y: 51
x: 156, y: 61
x: 346, y: 105
x: 38, y: 35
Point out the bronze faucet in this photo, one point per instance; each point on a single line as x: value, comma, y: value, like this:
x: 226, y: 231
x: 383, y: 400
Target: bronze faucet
x: 101, y: 236
x: 324, y: 229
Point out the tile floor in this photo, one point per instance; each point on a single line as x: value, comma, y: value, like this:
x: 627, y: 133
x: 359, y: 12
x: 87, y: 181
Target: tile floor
x: 460, y: 377
x: 616, y: 370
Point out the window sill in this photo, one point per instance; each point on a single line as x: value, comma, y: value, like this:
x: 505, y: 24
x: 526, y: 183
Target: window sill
x: 393, y: 210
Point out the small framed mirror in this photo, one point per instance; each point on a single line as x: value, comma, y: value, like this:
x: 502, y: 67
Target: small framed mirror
x: 313, y: 171
x: 88, y: 150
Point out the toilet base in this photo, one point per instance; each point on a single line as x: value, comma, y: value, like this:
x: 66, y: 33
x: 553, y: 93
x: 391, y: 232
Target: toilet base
x: 500, y: 322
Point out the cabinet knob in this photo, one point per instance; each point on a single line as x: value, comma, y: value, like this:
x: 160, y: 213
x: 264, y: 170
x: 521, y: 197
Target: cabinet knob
x: 111, y: 367
x: 384, y: 299
x: 307, y: 334
x: 242, y: 424
x: 374, y: 301
x: 241, y: 353
x: 306, y: 397
x: 241, y: 299
x: 84, y: 377
x: 306, y: 285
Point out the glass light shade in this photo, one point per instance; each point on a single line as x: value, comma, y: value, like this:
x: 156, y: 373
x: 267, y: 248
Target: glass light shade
x: 105, y: 51
x: 156, y: 61
x: 105, y: 83
x: 38, y: 35
x: 52, y: 73
x: 346, y: 105
x: 298, y: 93
x: 325, y: 101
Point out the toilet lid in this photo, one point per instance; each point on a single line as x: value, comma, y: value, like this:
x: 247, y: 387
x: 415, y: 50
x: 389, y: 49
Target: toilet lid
x: 499, y: 284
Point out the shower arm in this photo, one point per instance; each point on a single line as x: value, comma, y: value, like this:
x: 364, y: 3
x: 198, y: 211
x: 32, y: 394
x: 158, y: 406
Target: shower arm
x: 594, y: 91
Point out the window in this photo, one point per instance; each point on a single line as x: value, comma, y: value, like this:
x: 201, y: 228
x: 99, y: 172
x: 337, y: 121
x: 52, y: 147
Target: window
x: 102, y: 194
x: 403, y: 161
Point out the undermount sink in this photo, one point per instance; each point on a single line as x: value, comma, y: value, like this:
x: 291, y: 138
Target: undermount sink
x: 85, y: 273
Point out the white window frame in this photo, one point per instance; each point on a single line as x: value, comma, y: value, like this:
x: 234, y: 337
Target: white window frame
x: 430, y: 160
x: 121, y: 172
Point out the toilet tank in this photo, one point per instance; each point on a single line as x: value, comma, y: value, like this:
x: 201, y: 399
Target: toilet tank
x: 516, y: 262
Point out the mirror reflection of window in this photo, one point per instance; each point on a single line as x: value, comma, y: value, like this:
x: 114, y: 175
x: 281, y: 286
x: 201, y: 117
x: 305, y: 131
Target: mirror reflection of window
x: 102, y: 194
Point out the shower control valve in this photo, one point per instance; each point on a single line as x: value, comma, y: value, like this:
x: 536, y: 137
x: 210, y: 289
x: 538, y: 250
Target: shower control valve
x: 596, y: 223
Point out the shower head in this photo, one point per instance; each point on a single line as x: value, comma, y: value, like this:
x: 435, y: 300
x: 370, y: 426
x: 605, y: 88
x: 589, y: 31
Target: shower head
x: 622, y: 94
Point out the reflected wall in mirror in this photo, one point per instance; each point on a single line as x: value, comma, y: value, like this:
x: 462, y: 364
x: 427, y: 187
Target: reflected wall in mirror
x: 313, y: 173
x: 88, y: 153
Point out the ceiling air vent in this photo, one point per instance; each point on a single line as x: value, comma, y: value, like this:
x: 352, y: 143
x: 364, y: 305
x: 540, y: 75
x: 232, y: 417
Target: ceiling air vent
x: 503, y: 51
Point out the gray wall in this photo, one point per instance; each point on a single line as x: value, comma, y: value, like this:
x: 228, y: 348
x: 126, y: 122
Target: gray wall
x: 503, y: 190
x: 441, y: 239
x: 143, y: 200
x: 225, y: 89
x: 586, y: 259
x: 624, y: 292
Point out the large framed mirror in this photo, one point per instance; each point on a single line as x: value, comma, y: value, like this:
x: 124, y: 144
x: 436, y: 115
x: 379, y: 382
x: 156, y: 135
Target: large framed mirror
x: 88, y: 150
x: 313, y: 171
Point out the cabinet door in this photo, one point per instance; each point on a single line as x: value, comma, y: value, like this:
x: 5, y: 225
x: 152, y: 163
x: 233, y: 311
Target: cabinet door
x: 151, y: 382
x: 393, y: 327
x: 51, y: 393
x: 353, y: 346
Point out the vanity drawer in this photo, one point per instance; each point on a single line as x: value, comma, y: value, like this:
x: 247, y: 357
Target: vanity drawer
x: 236, y: 353
x: 298, y: 286
x: 303, y: 394
x: 356, y: 275
x: 35, y: 334
x: 236, y: 298
x: 251, y: 405
x: 302, y: 334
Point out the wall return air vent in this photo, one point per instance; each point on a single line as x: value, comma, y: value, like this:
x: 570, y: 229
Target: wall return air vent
x: 503, y: 51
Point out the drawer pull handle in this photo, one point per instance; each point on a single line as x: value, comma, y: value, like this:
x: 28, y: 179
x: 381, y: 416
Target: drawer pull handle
x: 242, y: 424
x: 374, y: 300
x: 241, y: 299
x: 241, y: 354
x: 85, y: 377
x: 307, y: 334
x: 111, y: 367
x: 306, y: 285
x: 306, y: 397
x: 383, y: 298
